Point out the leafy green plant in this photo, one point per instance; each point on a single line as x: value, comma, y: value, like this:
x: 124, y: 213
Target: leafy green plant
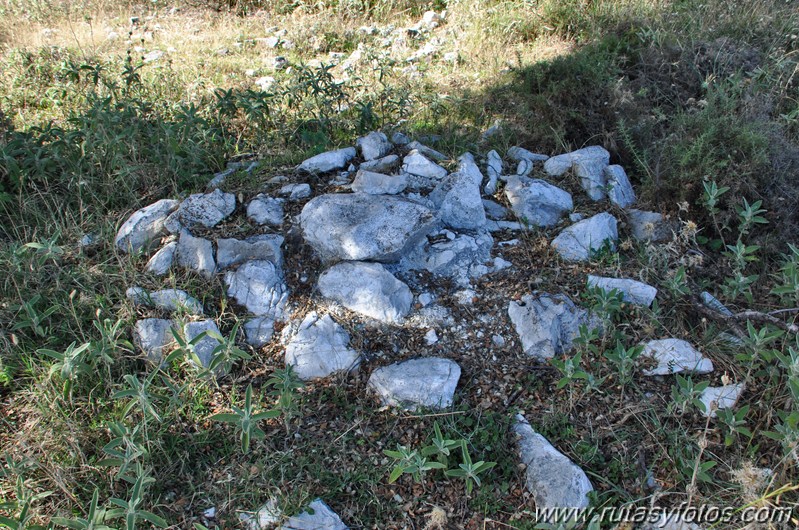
x: 131, y: 509
x: 411, y: 462
x: 140, y: 396
x: 685, y: 392
x: 285, y: 383
x: 624, y: 360
x: 733, y: 423
x: 125, y: 449
x: 571, y: 370
x: 246, y: 419
x: 441, y: 448
x: 25, y: 500
x: 34, y: 319
x: 69, y: 364
x: 467, y: 470
x: 94, y: 520
x: 226, y: 354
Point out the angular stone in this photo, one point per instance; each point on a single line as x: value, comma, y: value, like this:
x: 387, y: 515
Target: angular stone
x: 195, y: 253
x: 399, y: 138
x: 378, y: 183
x: 552, y: 479
x: 633, y: 292
x: 674, y: 356
x: 258, y: 286
x: 714, y: 303
x: 649, y: 226
x: 494, y: 170
x: 456, y: 256
x: 467, y: 166
x: 547, y: 324
x: 724, y: 397
x: 205, y: 347
x: 329, y: 161
x: 588, y: 163
x: 319, y: 516
x: 428, y: 152
x: 145, y: 226
x: 459, y: 202
x: 620, y: 192
x: 153, y: 336
x: 230, y: 252
x: 494, y: 210
x: 367, y: 288
x: 258, y: 331
x: 264, y: 210
x: 418, y: 383
x: 429, y: 172
x: 364, y: 227
x: 518, y: 154
x: 320, y: 348
x: 204, y: 209
x: 582, y: 240
x: 166, y: 299
x: 162, y: 260
x: 381, y: 165
x: 295, y: 192
x: 374, y: 145
x: 536, y: 202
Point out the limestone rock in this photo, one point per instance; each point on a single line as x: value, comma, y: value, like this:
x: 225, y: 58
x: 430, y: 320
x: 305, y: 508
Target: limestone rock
x: 588, y: 163
x: 582, y: 240
x: 264, y: 210
x: 378, y: 183
x: 145, y: 226
x: 526, y: 160
x: 166, y: 299
x: 428, y: 152
x: 230, y: 252
x: 422, y: 172
x: 367, y: 288
x: 547, y: 324
x: 459, y: 202
x: 724, y: 397
x: 649, y: 226
x: 553, y: 479
x: 258, y: 285
x: 329, y: 161
x: 364, y: 227
x: 162, y: 260
x: 258, y: 331
x: 494, y: 210
x: 374, y: 145
x: 620, y: 192
x: 493, y: 170
x: 320, y: 348
x: 204, y: 209
x: 674, y: 356
x: 536, y: 202
x: 296, y: 191
x: 153, y: 336
x: 456, y: 256
x: 318, y: 517
x: 633, y: 292
x: 381, y: 165
x: 195, y: 253
x: 427, y: 382
x: 205, y: 347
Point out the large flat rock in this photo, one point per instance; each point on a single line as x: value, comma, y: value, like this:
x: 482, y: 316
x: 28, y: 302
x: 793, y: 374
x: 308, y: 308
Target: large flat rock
x: 675, y: 355
x: 258, y: 286
x: 320, y: 348
x: 536, y: 202
x: 364, y: 227
x: 582, y: 240
x: 367, y: 288
x: 632, y: 291
x: 145, y: 226
x: 427, y: 383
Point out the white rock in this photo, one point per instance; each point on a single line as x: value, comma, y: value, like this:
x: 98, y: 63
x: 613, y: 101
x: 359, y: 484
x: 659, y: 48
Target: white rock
x: 649, y: 226
x: 381, y: 165
x: 378, y: 184
x: 724, y: 397
x: 714, y: 303
x: 547, y: 324
x: 518, y: 154
x: 620, y: 192
x: 589, y: 165
x: 259, y: 287
x: 674, y: 356
x: 536, y: 202
x: 374, y: 145
x: 162, y: 260
x: 265, y: 210
x: 459, y: 202
x: 418, y: 165
x: 166, y: 299
x: 265, y: 83
x: 468, y: 167
x: 329, y: 161
x: 582, y: 240
x: 318, y: 517
x: 494, y: 170
x: 552, y: 479
x: 320, y: 348
x: 258, y: 331
x: 367, y: 288
x: 431, y: 337
x: 195, y: 253
x: 428, y: 382
x: 205, y: 209
x: 267, y: 516
x: 494, y: 210
x: 145, y: 226
x: 152, y: 56
x: 205, y: 347
x: 154, y: 337
x: 295, y: 192
x: 399, y: 138
x: 461, y: 257
x: 425, y: 299
x: 633, y: 292
x: 364, y: 227
x: 230, y: 252
x: 558, y: 165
